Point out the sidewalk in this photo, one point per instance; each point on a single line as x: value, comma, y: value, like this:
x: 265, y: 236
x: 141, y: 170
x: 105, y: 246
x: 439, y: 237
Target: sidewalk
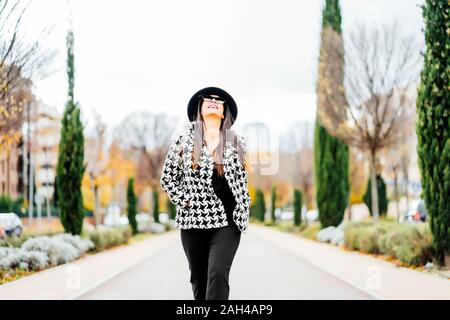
x: 381, y: 279
x: 279, y: 251
x: 72, y: 279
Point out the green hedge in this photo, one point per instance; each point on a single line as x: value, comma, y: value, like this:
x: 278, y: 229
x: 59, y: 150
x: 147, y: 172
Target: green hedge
x: 16, y: 242
x: 411, y: 244
x: 105, y: 238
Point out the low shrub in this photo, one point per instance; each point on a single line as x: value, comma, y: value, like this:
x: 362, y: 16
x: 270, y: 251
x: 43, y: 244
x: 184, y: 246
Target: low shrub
x: 60, y: 249
x: 392, y: 238
x: 310, y: 230
x: 38, y: 253
x: 106, y: 237
x: 410, y: 244
x: 16, y: 242
x: 286, y: 226
x: 11, y: 258
x: 361, y: 237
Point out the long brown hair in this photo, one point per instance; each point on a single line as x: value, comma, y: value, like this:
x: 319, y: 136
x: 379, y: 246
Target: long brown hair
x: 226, y: 134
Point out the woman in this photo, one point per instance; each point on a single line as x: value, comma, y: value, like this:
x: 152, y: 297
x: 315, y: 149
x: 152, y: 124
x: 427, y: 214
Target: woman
x: 205, y: 176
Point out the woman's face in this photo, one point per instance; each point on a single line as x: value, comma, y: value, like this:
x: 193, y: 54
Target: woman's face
x: 212, y: 108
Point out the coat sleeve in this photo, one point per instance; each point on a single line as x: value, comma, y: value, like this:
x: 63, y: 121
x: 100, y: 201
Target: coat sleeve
x: 171, y: 180
x: 243, y: 146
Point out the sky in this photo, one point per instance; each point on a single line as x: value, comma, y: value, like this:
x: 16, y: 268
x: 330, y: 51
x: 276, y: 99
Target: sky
x: 154, y: 55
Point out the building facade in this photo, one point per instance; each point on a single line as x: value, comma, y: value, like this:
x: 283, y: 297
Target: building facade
x: 46, y: 129
x: 9, y: 171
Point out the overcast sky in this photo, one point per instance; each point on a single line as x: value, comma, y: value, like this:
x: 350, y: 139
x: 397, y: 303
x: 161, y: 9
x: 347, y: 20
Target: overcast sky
x: 153, y: 55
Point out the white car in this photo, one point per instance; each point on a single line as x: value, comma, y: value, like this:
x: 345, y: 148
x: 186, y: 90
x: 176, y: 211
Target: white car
x: 417, y: 212
x: 11, y: 224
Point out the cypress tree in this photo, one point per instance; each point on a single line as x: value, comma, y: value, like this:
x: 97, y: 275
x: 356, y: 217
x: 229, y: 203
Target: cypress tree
x: 297, y: 207
x: 382, y: 196
x: 131, y: 206
x: 156, y: 206
x: 433, y: 126
x: 331, y: 155
x: 260, y: 207
x: 273, y: 199
x: 6, y: 204
x: 55, y: 193
x: 70, y: 166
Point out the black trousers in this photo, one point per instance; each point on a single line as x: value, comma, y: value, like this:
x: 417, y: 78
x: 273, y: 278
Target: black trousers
x: 210, y: 253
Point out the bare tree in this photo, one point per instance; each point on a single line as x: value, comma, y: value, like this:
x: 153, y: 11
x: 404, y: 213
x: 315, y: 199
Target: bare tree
x: 149, y: 136
x: 97, y: 162
x: 381, y: 66
x: 299, y: 140
x: 398, y: 157
x: 357, y: 176
x: 20, y: 62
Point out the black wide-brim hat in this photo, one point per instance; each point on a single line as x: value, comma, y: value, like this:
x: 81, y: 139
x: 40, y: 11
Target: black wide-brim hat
x: 230, y: 104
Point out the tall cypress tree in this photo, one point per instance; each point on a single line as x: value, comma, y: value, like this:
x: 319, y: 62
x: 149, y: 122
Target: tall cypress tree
x: 433, y: 126
x: 70, y: 166
x: 382, y: 196
x: 260, y: 207
x: 131, y: 206
x: 297, y: 207
x: 155, y: 206
x: 331, y: 155
x: 273, y: 199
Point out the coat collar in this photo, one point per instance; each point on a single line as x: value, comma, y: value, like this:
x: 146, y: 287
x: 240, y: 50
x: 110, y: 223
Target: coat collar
x: 229, y: 148
x: 206, y: 160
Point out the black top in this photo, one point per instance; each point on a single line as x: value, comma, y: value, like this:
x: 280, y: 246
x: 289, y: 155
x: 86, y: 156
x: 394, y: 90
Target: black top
x: 224, y: 193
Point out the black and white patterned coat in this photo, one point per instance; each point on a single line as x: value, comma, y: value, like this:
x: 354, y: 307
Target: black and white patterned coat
x: 197, y: 205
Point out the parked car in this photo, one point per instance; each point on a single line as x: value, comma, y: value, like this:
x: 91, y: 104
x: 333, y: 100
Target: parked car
x: 417, y: 212
x: 11, y: 224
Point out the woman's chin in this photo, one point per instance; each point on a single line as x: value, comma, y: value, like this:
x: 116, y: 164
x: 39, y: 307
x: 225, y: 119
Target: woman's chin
x: 212, y: 114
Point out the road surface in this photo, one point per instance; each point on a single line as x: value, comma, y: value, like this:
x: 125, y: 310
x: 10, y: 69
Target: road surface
x: 261, y: 270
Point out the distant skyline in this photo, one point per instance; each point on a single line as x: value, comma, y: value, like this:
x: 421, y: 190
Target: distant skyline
x: 153, y: 56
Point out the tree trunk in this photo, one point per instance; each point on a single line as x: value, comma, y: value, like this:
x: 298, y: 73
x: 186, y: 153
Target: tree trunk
x: 374, y: 188
x: 349, y: 205
x: 47, y: 200
x: 396, y: 194
x: 94, y: 193
x: 150, y: 209
x: 31, y: 190
x: 406, y: 192
x: 96, y: 206
x: 447, y: 261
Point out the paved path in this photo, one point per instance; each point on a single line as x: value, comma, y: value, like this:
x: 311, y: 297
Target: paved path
x: 268, y: 265
x: 261, y: 270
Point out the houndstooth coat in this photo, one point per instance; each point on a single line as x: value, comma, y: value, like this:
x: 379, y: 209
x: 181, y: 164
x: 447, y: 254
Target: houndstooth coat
x: 197, y: 205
